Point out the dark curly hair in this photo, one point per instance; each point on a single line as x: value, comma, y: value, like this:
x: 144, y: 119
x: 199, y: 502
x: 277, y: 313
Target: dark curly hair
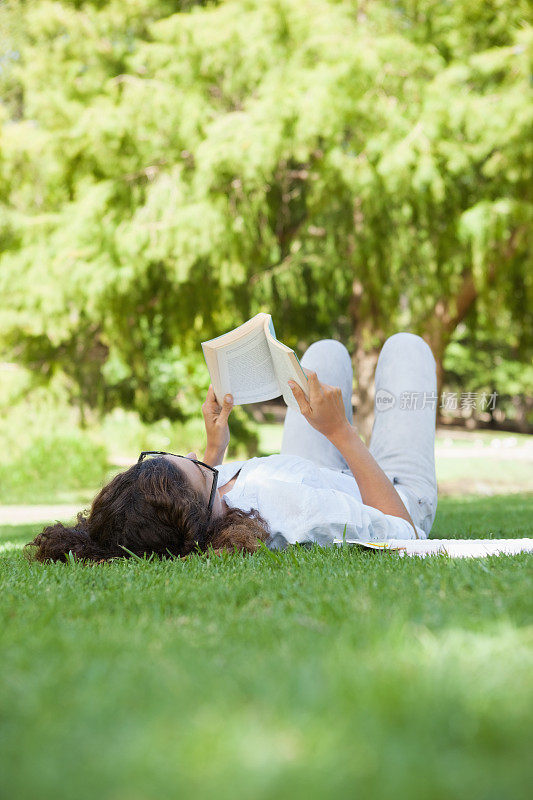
x: 150, y: 508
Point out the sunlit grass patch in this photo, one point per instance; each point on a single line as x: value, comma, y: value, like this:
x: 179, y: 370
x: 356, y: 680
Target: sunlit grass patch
x: 318, y: 672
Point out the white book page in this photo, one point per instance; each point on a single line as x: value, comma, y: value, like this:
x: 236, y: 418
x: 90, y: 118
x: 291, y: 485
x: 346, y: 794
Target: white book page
x: 455, y: 548
x: 285, y: 372
x: 247, y: 371
x: 287, y: 368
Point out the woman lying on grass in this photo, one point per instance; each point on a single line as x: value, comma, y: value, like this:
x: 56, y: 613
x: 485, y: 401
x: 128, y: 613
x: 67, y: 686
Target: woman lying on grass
x: 324, y: 484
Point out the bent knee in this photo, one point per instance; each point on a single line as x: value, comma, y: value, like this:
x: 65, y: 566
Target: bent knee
x: 324, y: 349
x: 331, y: 361
x: 404, y: 342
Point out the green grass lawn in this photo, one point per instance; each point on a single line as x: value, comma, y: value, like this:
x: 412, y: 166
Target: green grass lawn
x: 312, y: 673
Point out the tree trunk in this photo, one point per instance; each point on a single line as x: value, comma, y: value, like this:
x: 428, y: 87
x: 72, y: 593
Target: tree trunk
x: 364, y: 359
x: 437, y: 334
x: 364, y: 364
x: 439, y: 328
x: 446, y: 316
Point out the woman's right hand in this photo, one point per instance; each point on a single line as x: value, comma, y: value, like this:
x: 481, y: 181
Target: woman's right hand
x: 324, y: 410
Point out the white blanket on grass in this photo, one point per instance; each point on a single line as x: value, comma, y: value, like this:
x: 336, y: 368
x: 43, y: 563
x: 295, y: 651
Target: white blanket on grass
x: 457, y: 548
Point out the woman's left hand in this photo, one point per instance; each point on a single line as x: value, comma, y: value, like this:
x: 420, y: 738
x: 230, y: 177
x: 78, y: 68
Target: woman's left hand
x: 216, y: 421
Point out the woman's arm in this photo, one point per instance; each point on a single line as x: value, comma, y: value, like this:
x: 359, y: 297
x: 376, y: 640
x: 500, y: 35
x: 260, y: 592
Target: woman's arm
x: 376, y: 489
x: 325, y: 412
x: 216, y: 427
x: 213, y: 457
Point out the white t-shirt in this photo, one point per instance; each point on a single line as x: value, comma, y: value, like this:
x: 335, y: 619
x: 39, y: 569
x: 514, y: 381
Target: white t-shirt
x: 303, y: 502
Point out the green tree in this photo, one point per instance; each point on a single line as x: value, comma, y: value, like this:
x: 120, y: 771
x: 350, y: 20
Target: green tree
x: 167, y: 171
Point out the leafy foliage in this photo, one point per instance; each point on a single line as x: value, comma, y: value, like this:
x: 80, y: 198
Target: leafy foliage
x: 66, y: 460
x: 167, y: 171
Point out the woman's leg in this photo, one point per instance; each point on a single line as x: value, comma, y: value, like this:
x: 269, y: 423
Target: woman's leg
x: 403, y: 436
x: 332, y: 364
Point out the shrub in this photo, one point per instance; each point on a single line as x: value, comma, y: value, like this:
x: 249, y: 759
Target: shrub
x: 52, y: 464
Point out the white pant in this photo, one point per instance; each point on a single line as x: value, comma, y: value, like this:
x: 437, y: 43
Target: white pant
x: 403, y: 435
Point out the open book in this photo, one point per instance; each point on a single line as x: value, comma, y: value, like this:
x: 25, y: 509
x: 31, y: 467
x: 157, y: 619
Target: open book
x: 250, y: 364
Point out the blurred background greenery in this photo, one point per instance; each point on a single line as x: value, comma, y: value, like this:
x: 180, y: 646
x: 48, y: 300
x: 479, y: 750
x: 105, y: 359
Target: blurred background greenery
x: 168, y: 169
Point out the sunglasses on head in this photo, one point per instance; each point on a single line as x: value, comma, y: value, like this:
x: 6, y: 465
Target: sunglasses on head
x: 147, y: 453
